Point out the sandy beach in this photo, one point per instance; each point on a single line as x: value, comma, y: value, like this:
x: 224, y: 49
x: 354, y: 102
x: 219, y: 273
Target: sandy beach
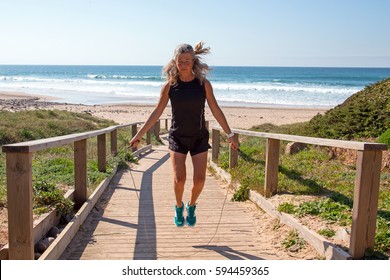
x: 238, y: 117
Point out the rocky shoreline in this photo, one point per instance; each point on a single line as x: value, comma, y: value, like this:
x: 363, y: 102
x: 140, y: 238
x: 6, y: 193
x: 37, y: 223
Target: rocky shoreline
x: 19, y: 104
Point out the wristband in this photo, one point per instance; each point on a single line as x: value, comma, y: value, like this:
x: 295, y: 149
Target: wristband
x: 230, y: 135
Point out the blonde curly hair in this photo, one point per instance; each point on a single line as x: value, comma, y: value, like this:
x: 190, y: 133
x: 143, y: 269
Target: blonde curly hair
x: 200, y: 69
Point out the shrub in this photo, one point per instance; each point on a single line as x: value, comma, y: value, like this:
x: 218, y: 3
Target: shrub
x: 385, y: 137
x: 241, y: 194
x: 47, y: 196
x: 364, y: 114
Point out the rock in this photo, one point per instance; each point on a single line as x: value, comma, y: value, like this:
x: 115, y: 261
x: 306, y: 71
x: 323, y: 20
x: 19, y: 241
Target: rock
x: 342, y: 234
x: 51, y: 240
x: 294, y: 147
x: 65, y: 219
x: 53, y: 232
x: 46, y: 241
x: 41, y: 246
x: 294, y: 248
x: 25, y: 103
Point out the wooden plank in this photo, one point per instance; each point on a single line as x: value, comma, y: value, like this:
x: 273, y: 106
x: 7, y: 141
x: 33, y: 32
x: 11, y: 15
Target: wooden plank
x: 156, y: 129
x: 4, y: 253
x: 233, y: 154
x: 44, y: 223
x: 365, y: 202
x: 271, y: 167
x: 149, y: 137
x: 102, y: 158
x: 127, y: 125
x: 222, y: 174
x: 355, y: 145
x: 142, y: 150
x: 114, y: 142
x: 133, y: 133
x: 80, y: 172
x: 215, y: 144
x: 19, y: 200
x: 42, y: 144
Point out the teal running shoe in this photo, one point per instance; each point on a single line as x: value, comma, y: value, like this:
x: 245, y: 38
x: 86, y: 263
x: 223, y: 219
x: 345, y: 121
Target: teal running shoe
x: 191, y: 218
x: 179, y: 218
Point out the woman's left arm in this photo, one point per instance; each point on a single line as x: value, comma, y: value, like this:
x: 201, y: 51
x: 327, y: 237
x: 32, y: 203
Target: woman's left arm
x: 218, y: 114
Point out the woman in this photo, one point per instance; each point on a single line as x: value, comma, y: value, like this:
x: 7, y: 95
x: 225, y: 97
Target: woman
x: 187, y: 88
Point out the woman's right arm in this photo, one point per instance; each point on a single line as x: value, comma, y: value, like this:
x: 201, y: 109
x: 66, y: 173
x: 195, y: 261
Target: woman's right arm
x: 154, y: 116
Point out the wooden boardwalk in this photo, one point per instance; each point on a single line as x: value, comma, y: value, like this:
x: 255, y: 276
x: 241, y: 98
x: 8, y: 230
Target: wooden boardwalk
x: 136, y: 221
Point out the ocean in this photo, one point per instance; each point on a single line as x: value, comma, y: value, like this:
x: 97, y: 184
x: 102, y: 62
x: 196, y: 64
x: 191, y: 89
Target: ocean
x: 314, y: 87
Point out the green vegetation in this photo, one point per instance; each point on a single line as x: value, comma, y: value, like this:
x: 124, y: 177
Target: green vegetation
x: 314, y: 171
x: 38, y: 124
x: 241, y: 194
x: 327, y: 209
x: 364, y: 114
x: 327, y: 232
x: 53, y: 169
x: 48, y: 197
x: 293, y: 241
x: 385, y: 138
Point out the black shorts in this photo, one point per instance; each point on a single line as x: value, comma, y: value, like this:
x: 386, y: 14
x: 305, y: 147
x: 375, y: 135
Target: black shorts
x: 194, y: 144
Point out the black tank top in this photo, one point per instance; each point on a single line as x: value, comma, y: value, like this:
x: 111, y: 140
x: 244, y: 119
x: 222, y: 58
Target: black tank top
x: 188, y: 102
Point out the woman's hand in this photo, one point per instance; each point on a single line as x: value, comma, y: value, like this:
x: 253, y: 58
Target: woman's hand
x: 134, y: 142
x: 233, y: 143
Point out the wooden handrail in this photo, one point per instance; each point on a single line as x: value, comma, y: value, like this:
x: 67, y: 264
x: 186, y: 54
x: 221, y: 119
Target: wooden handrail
x: 368, y: 169
x: 42, y: 144
x: 354, y: 145
x: 19, y: 179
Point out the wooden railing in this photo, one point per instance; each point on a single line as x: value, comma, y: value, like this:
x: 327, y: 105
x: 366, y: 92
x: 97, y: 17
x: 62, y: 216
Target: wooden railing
x: 19, y: 179
x: 368, y: 168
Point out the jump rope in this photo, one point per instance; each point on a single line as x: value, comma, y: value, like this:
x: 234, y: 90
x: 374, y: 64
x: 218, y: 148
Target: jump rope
x: 154, y: 250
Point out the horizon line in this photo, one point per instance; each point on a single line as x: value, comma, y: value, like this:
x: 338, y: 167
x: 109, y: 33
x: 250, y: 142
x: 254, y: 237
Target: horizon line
x: 156, y: 65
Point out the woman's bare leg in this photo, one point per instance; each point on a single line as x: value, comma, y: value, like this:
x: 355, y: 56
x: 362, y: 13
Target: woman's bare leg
x: 199, y: 162
x: 179, y: 175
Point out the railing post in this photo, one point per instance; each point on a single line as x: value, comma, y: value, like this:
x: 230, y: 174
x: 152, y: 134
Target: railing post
x: 149, y: 136
x: 80, y: 173
x: 114, y: 142
x: 133, y: 133
x: 101, y: 152
x: 156, y: 129
x: 215, y: 144
x: 365, y: 202
x: 271, y: 167
x: 166, y: 124
x: 207, y: 125
x: 233, y: 154
x: 20, y: 205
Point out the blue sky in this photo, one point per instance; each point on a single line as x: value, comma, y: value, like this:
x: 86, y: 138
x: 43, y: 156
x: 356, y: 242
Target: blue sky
x: 245, y: 33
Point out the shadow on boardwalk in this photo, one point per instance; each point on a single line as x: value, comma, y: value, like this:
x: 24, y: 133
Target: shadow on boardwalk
x: 147, y: 224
